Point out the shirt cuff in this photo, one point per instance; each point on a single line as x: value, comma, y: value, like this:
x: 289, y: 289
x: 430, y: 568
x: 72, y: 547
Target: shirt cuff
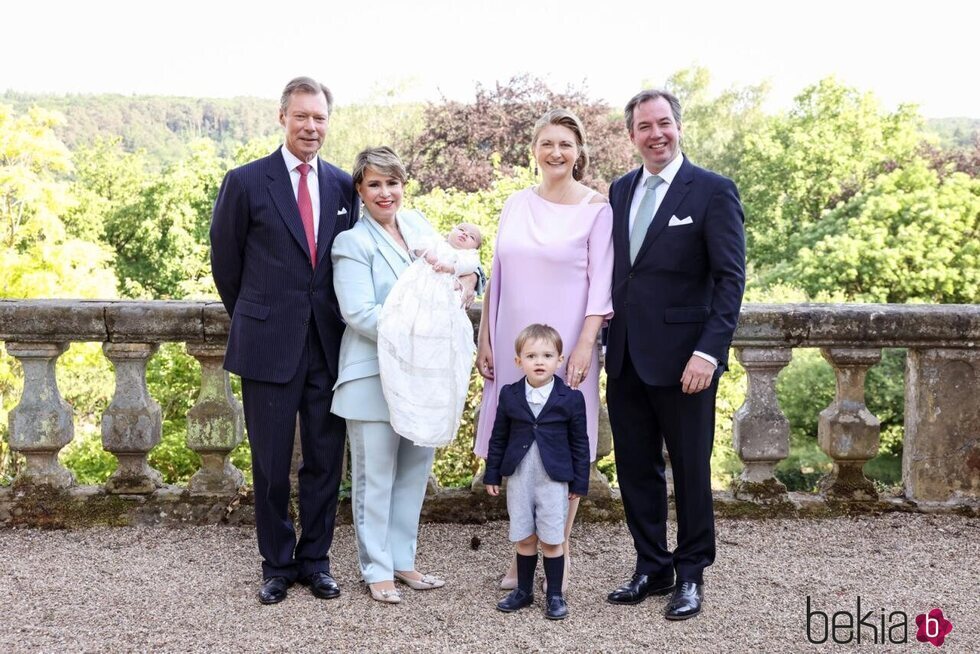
x: 707, y: 357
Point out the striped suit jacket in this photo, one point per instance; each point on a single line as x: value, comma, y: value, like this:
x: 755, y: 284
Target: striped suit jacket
x: 261, y: 266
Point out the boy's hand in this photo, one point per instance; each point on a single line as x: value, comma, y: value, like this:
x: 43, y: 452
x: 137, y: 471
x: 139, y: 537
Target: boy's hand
x: 493, y: 489
x: 573, y: 496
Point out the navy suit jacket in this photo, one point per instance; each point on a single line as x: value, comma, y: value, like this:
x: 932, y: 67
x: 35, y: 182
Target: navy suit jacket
x: 684, y: 291
x: 261, y: 266
x: 560, y: 431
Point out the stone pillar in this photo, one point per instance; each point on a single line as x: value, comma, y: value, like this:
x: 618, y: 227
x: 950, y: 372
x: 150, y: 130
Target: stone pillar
x: 847, y: 432
x: 132, y: 424
x: 941, y: 460
x: 760, y: 430
x: 41, y: 424
x: 215, y: 425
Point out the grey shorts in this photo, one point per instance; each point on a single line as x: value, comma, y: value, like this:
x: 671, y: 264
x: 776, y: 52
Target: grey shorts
x: 536, y: 503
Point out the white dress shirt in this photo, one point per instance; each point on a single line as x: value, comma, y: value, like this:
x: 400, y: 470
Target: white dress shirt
x: 667, y: 174
x: 312, y: 183
x: 537, y: 397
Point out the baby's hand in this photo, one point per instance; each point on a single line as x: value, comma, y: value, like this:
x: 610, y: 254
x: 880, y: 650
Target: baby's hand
x: 441, y: 267
x: 493, y: 489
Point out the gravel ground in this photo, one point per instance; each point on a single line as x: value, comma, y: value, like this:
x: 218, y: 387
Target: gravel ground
x: 193, y: 590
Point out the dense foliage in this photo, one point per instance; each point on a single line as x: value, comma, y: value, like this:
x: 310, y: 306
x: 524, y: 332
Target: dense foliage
x: 110, y: 196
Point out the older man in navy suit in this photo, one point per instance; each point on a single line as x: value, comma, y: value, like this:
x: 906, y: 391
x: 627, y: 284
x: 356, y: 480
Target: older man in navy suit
x: 678, y: 279
x: 274, y: 222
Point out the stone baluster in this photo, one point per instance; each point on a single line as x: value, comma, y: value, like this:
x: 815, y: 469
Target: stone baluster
x: 215, y: 425
x: 41, y: 424
x: 847, y: 432
x: 941, y: 451
x: 132, y: 424
x: 761, y: 431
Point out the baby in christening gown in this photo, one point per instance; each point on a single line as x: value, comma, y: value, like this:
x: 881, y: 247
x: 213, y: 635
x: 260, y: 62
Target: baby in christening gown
x: 425, y: 339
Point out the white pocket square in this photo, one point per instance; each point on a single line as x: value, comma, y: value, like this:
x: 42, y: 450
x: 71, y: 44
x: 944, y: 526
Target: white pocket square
x: 342, y: 211
x: 675, y: 221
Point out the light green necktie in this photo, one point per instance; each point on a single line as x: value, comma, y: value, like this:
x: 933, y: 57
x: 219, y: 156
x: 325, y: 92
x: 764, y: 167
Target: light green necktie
x: 644, y: 215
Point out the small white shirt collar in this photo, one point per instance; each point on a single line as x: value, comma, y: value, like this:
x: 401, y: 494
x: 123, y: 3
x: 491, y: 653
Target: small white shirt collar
x: 292, y: 160
x: 538, y: 395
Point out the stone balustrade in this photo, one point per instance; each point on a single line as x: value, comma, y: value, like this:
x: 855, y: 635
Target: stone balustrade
x: 941, y: 464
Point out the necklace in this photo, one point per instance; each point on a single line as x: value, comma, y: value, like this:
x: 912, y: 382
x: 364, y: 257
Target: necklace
x: 568, y: 187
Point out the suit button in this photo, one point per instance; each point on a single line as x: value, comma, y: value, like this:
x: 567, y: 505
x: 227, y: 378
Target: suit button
x: 535, y: 427
x: 632, y: 275
x: 525, y: 447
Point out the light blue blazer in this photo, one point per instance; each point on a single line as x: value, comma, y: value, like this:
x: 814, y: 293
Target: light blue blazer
x: 366, y: 264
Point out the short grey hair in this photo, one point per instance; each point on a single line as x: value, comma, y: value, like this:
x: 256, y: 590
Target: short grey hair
x: 304, y: 85
x: 382, y: 159
x: 652, y: 94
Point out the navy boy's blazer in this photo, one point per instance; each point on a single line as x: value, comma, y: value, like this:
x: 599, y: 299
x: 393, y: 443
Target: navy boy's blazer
x: 560, y: 431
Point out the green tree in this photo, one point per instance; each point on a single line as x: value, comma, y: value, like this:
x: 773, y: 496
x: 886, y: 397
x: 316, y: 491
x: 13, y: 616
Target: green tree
x: 801, y: 164
x: 161, y: 237
x: 909, y: 236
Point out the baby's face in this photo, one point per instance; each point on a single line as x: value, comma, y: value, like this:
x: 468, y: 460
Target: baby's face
x: 464, y: 237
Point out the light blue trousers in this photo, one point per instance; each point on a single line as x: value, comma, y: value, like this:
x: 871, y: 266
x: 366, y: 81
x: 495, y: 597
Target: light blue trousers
x: 389, y: 475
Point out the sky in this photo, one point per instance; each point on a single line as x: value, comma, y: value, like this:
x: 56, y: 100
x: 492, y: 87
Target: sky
x: 386, y: 50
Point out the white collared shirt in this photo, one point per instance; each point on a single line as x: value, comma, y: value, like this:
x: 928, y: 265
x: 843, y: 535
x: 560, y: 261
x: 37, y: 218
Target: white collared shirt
x: 312, y: 183
x: 537, y: 397
x: 667, y: 174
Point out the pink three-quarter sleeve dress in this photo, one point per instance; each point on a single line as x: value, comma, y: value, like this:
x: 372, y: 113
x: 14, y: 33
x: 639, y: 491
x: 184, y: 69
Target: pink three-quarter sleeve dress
x: 552, y: 264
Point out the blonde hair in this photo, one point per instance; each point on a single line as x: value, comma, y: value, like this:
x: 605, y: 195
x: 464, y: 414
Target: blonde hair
x: 538, y: 332
x: 566, y: 118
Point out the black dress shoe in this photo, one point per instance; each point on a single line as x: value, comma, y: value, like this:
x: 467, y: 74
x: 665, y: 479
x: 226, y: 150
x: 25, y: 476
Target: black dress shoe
x: 517, y: 599
x: 636, y: 589
x: 556, y: 608
x: 686, y: 602
x: 273, y: 590
x: 322, y: 585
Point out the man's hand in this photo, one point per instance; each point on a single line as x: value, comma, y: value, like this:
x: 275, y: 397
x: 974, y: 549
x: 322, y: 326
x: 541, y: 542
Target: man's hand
x: 697, y: 375
x: 493, y: 489
x: 467, y: 285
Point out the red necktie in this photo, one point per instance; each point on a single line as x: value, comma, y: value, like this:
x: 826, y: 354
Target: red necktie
x: 306, y: 210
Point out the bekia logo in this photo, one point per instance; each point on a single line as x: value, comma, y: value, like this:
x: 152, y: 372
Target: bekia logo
x: 933, y: 627
x: 874, y: 626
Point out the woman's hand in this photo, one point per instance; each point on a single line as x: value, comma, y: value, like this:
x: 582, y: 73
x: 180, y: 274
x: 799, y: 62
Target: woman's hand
x: 484, y: 361
x: 493, y: 489
x: 579, y: 363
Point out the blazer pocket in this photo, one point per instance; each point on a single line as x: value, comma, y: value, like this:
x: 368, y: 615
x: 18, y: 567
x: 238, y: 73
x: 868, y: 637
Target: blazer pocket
x: 251, y: 309
x: 358, y: 370
x: 685, y: 314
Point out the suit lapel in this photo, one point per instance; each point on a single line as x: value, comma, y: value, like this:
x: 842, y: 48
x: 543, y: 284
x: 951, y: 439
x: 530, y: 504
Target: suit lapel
x: 392, y: 253
x: 675, y: 194
x: 558, y: 392
x: 281, y: 191
x: 520, y: 397
x: 329, y: 206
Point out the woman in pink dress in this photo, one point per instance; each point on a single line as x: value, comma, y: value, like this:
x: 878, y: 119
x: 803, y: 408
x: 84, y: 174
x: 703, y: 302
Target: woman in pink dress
x: 552, y: 264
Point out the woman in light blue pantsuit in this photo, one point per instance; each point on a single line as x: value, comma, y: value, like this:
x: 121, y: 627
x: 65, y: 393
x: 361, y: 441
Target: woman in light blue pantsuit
x: 389, y: 473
